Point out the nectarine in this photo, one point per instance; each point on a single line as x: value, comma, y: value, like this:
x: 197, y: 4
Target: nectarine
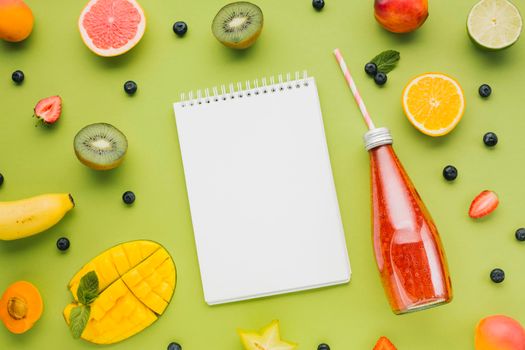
x: 401, y: 16
x: 499, y: 333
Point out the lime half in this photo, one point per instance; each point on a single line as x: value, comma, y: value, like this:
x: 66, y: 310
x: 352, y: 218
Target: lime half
x: 494, y: 24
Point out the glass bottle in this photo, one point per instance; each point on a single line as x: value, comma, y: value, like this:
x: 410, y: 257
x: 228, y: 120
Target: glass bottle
x: 407, y: 247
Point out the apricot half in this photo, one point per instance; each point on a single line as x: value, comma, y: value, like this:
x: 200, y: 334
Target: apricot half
x: 20, y: 307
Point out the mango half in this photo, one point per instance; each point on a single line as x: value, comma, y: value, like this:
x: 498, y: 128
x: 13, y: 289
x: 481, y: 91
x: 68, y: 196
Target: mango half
x: 136, y: 282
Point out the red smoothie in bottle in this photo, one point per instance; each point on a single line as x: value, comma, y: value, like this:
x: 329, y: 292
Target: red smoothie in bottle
x: 407, y: 246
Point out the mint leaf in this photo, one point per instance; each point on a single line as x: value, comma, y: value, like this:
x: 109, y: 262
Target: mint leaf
x: 386, y: 61
x: 87, y: 290
x: 78, y: 320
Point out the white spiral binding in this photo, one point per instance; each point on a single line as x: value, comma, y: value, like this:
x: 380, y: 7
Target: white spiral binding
x: 233, y: 91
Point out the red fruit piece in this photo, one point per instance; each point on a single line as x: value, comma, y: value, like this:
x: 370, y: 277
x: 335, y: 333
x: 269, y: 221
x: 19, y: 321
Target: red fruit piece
x: 499, y: 332
x: 401, y: 16
x: 484, y: 204
x: 49, y: 109
x: 384, y: 344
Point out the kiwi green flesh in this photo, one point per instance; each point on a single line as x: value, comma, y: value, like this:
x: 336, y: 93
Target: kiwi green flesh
x: 100, y: 145
x: 237, y: 22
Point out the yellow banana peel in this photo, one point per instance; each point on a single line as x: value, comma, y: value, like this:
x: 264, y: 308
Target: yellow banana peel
x: 27, y: 217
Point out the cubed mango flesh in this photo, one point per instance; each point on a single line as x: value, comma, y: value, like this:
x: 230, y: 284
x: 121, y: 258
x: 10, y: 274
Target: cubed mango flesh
x: 120, y: 259
x: 136, y: 283
x: 135, y: 251
x: 164, y: 290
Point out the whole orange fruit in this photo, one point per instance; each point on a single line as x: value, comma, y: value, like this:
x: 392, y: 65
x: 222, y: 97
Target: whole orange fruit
x: 16, y: 20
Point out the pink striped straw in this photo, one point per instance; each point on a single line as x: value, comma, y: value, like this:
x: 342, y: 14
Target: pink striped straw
x: 353, y: 87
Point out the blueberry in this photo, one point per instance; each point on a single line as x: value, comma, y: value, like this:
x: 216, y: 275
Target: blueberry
x: 380, y: 78
x: 323, y: 346
x: 1, y: 179
x: 318, y: 4
x: 128, y: 197
x: 520, y: 234
x: 490, y: 139
x: 130, y: 87
x: 497, y: 275
x: 450, y: 173
x: 18, y: 76
x: 180, y: 28
x: 174, y: 346
x: 63, y: 244
x: 485, y: 90
x: 371, y: 68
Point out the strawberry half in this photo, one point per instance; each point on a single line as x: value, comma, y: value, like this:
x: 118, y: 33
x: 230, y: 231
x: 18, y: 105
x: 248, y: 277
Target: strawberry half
x: 384, y: 344
x: 484, y: 204
x: 49, y: 109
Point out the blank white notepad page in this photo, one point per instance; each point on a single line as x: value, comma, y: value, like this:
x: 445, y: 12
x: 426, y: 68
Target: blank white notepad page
x: 261, y: 192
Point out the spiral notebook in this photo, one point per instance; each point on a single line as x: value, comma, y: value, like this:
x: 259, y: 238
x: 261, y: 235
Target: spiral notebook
x: 261, y: 192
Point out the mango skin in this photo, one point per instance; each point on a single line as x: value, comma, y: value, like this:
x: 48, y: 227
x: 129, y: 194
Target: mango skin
x: 499, y: 333
x: 401, y: 16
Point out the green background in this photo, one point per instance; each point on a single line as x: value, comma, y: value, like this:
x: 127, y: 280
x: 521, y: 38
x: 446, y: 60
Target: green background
x: 37, y: 160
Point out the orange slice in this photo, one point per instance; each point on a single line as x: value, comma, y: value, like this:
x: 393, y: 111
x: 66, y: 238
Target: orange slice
x: 434, y: 103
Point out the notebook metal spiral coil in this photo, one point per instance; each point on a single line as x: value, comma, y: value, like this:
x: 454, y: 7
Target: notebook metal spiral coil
x: 232, y: 92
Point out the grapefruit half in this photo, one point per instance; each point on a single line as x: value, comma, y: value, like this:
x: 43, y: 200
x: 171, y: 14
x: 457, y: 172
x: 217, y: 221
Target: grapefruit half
x: 111, y: 27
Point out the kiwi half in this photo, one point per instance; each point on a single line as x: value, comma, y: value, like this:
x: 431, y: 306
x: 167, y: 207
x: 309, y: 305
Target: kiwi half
x: 238, y: 25
x: 100, y: 146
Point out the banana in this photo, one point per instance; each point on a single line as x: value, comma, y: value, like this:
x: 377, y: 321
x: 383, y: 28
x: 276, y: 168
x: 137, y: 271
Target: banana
x: 27, y: 217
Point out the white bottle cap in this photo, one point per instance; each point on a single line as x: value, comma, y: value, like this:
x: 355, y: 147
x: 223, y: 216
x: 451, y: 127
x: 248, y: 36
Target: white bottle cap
x: 377, y: 137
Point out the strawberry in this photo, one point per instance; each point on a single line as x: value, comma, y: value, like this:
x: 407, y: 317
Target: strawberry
x: 484, y: 204
x: 49, y: 109
x: 384, y: 344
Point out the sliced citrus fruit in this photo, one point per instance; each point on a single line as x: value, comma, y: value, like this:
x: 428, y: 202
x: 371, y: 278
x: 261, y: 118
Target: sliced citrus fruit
x: 433, y: 103
x: 494, y: 24
x: 111, y: 27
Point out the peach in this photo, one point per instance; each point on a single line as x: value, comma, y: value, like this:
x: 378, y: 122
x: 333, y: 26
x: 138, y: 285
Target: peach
x: 401, y: 16
x: 499, y: 333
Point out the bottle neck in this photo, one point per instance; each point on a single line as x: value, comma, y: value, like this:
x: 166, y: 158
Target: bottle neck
x: 377, y: 137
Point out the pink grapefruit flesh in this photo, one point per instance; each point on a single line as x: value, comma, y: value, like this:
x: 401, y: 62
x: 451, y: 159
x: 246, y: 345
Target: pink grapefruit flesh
x: 112, y: 27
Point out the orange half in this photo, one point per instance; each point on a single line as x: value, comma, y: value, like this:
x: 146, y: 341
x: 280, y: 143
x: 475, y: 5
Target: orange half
x: 434, y: 103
